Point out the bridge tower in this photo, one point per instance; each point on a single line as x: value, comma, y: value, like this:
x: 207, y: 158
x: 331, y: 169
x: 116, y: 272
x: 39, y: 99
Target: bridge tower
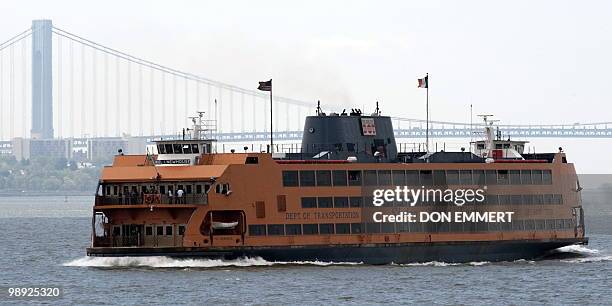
x: 42, y: 82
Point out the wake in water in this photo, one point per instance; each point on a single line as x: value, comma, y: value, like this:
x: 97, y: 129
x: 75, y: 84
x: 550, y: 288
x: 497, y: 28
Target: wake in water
x: 442, y: 264
x: 167, y: 262
x: 569, y: 254
x: 581, y: 254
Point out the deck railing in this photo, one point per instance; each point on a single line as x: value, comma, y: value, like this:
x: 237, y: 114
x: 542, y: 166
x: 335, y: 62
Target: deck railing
x: 152, y: 199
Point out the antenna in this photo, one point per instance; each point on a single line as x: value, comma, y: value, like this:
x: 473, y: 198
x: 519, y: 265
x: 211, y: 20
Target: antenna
x: 471, y: 123
x: 484, y: 117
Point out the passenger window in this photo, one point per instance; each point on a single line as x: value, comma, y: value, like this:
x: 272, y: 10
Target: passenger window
x: 354, y: 178
x: 369, y: 178
x: 161, y: 149
x: 276, y: 229
x: 309, y: 202
x: 323, y: 178
x: 398, y: 178
x: 339, y: 177
x: 526, y: 177
x: 160, y: 231
x: 452, y: 177
x: 198, y: 189
x: 341, y: 202
x: 479, y: 177
x: 356, y: 228
x: 311, y: 229
x: 169, y: 148
x: 195, y: 149
x: 388, y: 227
x: 257, y: 230
x: 502, y: 177
x: 491, y: 177
x: 325, y: 202
x: 412, y: 178
x: 290, y: 178
x: 515, y: 177
x: 149, y: 231
x: 546, y: 177
x: 536, y: 176
x: 343, y: 228
x: 372, y: 227
x: 178, y: 149
x: 181, y: 230
x: 326, y: 228
x: 169, y: 230
x: 548, y: 199
x: 384, y: 177
x: 293, y: 229
x: 426, y: 177
x: 186, y: 149
x: 307, y: 178
x: 465, y: 177
x: 439, y: 178
x: 251, y: 160
x: 356, y: 201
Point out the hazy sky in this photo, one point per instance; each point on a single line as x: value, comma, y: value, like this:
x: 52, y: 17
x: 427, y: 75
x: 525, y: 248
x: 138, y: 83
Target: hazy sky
x: 524, y: 61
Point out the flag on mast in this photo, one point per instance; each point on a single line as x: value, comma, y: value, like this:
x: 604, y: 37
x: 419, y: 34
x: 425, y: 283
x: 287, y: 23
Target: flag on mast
x: 423, y: 82
x: 265, y: 86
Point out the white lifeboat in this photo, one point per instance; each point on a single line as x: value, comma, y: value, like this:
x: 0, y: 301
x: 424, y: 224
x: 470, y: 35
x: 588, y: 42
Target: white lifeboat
x: 224, y: 225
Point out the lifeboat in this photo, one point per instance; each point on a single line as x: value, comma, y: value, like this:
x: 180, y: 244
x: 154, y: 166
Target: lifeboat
x: 224, y: 225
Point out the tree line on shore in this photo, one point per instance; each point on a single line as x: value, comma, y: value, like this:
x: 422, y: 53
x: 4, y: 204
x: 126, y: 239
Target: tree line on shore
x: 48, y: 174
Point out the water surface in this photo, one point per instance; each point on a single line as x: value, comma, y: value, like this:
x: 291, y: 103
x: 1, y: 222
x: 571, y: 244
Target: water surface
x: 44, y: 240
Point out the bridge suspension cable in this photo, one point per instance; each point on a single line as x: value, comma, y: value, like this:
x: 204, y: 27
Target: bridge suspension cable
x: 162, y: 68
x: 13, y: 40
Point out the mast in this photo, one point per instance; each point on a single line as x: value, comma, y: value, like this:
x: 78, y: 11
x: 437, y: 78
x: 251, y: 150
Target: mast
x: 427, y: 113
x: 271, y: 120
x: 471, y: 124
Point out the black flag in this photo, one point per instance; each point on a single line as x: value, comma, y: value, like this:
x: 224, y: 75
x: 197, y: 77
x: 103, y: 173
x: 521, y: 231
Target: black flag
x: 265, y: 86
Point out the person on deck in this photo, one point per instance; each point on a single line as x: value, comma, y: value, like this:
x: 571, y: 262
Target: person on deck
x: 170, y: 195
x: 179, y: 195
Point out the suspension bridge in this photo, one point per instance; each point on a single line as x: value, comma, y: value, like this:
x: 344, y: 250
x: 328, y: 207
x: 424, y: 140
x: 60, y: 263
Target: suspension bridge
x: 55, y: 84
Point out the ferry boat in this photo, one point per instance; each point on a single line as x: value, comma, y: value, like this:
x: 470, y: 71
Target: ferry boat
x: 185, y: 199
